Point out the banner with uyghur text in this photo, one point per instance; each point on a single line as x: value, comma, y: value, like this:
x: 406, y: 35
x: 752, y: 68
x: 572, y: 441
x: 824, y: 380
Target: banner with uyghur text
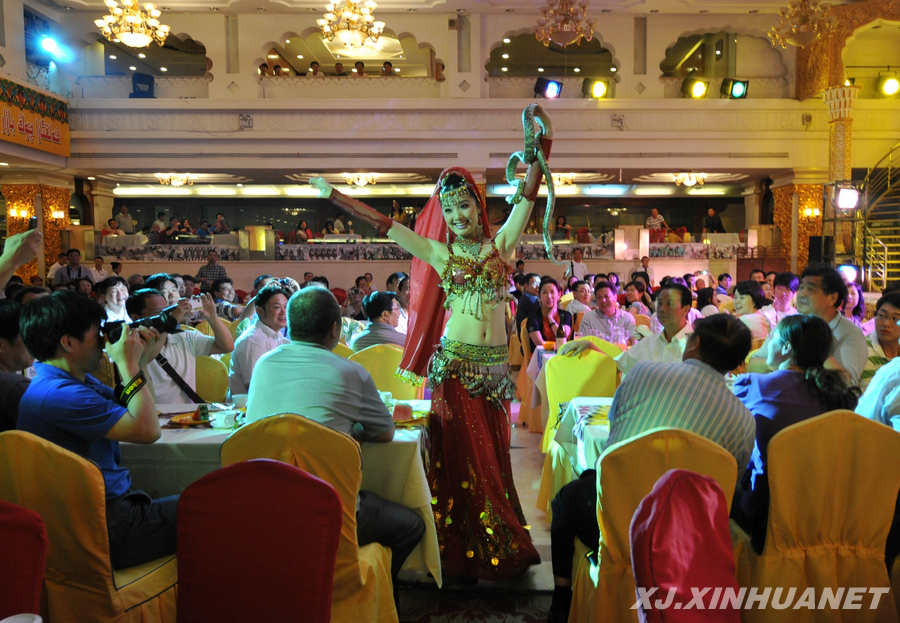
x: 33, y: 119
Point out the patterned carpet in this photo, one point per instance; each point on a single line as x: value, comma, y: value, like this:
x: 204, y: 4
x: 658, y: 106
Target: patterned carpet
x: 486, y: 605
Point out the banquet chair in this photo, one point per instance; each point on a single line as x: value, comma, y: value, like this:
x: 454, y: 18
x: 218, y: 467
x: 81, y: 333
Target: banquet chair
x: 626, y: 473
x: 340, y: 294
x: 515, y: 351
x: 362, y: 588
x: 282, y: 515
x: 69, y: 493
x: 680, y: 539
x: 106, y: 373
x: 565, y: 299
x: 343, y: 350
x: 528, y: 416
x: 24, y: 548
x: 233, y: 328
x: 590, y: 374
x: 833, y: 484
x: 212, y: 379
x: 204, y: 327
x: 642, y: 320
x: 576, y: 322
x: 613, y: 350
x: 141, y: 86
x: 382, y: 361
x: 726, y: 307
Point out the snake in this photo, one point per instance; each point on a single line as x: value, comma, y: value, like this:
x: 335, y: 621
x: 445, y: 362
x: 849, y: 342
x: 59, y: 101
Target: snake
x: 528, y: 155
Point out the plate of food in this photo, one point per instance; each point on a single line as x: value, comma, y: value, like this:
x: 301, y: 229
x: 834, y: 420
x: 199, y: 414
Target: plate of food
x: 197, y: 418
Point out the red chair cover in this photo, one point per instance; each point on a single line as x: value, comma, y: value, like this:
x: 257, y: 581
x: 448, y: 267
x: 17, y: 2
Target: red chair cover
x: 680, y: 539
x: 257, y: 541
x: 241, y: 295
x: 340, y: 294
x: 23, y: 543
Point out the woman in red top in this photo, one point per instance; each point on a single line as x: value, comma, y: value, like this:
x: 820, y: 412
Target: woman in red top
x: 459, y: 268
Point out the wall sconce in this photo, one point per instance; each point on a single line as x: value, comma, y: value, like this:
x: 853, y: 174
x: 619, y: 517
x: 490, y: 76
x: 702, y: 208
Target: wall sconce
x: 19, y: 213
x: 58, y: 214
x: 812, y: 212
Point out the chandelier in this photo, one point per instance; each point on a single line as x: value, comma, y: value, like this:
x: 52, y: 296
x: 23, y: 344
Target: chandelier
x: 351, y: 21
x: 561, y: 23
x: 176, y: 179
x: 802, y: 22
x: 132, y: 25
x: 563, y: 179
x: 360, y: 179
x: 690, y: 179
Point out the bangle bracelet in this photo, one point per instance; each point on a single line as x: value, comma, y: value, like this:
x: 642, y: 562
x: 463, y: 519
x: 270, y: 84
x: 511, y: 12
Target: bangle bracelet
x: 133, y: 387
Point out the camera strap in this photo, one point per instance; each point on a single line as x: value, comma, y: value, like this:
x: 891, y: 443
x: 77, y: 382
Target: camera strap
x: 165, y: 365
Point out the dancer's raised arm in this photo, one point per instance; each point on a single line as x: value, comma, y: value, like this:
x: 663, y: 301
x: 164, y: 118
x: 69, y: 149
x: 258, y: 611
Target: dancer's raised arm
x: 429, y: 251
x: 508, y: 236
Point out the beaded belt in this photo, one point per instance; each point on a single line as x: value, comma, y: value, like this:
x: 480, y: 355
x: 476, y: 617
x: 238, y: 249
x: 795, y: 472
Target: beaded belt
x: 482, y: 370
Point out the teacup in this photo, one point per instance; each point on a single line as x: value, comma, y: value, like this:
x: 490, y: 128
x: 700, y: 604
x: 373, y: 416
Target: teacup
x: 224, y: 419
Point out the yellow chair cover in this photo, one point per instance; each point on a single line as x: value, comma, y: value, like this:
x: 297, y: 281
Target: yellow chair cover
x: 576, y: 322
x: 895, y: 581
x: 726, y: 307
x: 204, y: 328
x: 833, y: 483
x: 528, y: 416
x: 362, y: 575
x: 68, y: 492
x: 212, y: 379
x: 233, y: 328
x: 565, y: 299
x: 609, y: 348
x: 642, y: 320
x: 343, y: 350
x: 556, y: 473
x: 590, y: 374
x: 225, y: 359
x: 382, y: 361
x: 106, y: 372
x: 627, y: 472
x: 515, y: 350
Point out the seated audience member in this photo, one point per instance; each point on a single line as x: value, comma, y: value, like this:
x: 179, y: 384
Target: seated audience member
x: 545, y: 321
x: 339, y: 393
x: 748, y: 303
x: 646, y: 296
x: 519, y: 286
x: 528, y: 301
x: 115, y: 294
x: 403, y: 297
x: 353, y: 307
x: 383, y: 312
x: 98, y: 273
x: 370, y: 280
x: 26, y: 295
x: 883, y: 341
x: 135, y: 282
x: 14, y: 358
x: 322, y: 280
x: 707, y: 302
x: 174, y: 229
x: 225, y: 297
x: 165, y: 283
x: 691, y: 395
x: 881, y: 400
x: 67, y: 406
x: 179, y: 349
x: 190, y: 285
x: 329, y: 229
x: 84, y: 286
x: 724, y: 282
x: 798, y: 388
x: 154, y: 234
x: 784, y: 285
x: 265, y: 335
x: 203, y: 231
x: 339, y: 225
x: 634, y: 298
x: 112, y: 229
x: 179, y: 284
x: 393, y: 281
x: 303, y: 233
x: 854, y: 308
x: 73, y: 271
x: 821, y: 293
x: 665, y: 347
x: 221, y: 227
x: 59, y: 287
x: 613, y: 279
x: 307, y: 279
x: 581, y: 301
x: 608, y: 319
x: 36, y: 281
x: 61, y: 261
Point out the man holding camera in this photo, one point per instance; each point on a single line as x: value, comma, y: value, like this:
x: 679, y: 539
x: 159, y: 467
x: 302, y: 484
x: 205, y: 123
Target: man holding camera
x: 66, y: 405
x: 179, y: 350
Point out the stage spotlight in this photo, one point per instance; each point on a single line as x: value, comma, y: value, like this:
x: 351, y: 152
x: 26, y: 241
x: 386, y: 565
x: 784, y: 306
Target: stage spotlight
x: 846, y: 196
x: 692, y: 87
x: 734, y: 89
x: 547, y: 88
x: 887, y: 84
x: 597, y: 89
x: 849, y: 272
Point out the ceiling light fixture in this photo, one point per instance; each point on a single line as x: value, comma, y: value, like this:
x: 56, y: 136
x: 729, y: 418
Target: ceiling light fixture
x: 360, y: 179
x: 176, y: 179
x: 352, y: 22
x: 802, y: 22
x: 563, y: 179
x: 563, y: 22
x: 689, y: 179
x: 132, y: 25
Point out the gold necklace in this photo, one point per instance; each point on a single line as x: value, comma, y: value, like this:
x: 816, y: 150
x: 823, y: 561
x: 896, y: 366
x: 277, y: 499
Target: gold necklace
x: 472, y: 247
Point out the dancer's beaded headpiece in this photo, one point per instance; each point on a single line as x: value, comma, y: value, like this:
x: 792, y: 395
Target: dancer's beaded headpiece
x: 454, y: 185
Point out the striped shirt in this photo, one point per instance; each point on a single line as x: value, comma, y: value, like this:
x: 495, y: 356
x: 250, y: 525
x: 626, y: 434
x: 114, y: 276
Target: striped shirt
x: 655, y: 222
x: 691, y: 395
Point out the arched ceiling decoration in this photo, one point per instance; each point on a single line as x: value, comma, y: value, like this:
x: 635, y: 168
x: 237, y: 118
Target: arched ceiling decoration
x: 526, y: 56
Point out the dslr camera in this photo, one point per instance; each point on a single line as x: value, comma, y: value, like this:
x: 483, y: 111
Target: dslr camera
x: 165, y: 322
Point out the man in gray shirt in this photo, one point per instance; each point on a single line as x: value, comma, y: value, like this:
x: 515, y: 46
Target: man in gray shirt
x: 123, y: 218
x: 383, y: 310
x: 306, y: 378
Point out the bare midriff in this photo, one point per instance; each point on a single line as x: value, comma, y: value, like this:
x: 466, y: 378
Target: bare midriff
x: 490, y: 330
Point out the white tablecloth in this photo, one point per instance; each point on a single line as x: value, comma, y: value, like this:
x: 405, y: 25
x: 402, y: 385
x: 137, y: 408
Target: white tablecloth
x: 582, y: 433
x: 392, y: 470
x: 536, y: 371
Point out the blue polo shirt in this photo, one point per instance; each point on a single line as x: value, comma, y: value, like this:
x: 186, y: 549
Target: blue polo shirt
x: 76, y: 416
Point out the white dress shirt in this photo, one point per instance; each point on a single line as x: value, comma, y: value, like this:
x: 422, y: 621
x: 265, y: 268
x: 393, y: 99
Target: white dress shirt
x: 882, y: 397
x: 182, y: 350
x: 599, y: 324
x: 249, y: 347
x: 654, y: 348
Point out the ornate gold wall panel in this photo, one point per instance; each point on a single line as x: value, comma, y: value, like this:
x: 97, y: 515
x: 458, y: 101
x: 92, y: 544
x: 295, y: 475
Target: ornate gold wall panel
x: 819, y: 65
x: 810, y: 196
x: 21, y: 197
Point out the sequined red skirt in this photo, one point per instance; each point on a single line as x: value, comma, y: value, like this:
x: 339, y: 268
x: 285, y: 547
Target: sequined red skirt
x: 479, y: 519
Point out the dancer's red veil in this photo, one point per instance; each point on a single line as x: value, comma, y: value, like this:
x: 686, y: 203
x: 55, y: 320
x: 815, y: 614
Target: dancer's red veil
x: 426, y: 301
